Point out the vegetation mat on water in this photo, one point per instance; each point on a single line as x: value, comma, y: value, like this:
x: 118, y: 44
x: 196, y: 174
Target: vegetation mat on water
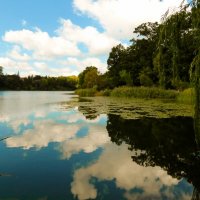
x: 92, y: 107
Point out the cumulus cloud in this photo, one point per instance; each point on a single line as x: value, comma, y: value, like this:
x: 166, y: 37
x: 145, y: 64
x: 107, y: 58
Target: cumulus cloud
x: 64, y: 45
x: 41, y: 66
x: 9, y: 63
x: 96, y: 42
x: 16, y: 54
x: 80, y: 64
x: 120, y: 17
x: 12, y: 66
x: 124, y: 171
x: 62, y: 70
x: 42, y: 45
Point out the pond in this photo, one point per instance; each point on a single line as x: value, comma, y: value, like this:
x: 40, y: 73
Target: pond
x: 63, y: 147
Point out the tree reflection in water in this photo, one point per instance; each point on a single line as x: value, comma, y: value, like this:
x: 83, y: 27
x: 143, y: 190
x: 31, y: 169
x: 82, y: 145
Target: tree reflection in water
x: 1, y: 139
x: 196, y: 192
x: 169, y: 143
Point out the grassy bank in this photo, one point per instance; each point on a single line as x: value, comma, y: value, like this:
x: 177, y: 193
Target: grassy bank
x: 141, y: 92
x: 130, y: 92
x: 89, y: 92
x: 186, y: 96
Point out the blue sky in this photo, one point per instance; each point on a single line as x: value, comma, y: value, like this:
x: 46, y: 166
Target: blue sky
x: 62, y: 37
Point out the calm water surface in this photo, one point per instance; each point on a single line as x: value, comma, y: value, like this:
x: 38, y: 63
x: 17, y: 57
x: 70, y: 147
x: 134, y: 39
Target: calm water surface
x: 60, y: 147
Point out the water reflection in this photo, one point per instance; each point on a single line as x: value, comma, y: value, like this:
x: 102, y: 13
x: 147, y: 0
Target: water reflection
x: 168, y: 143
x: 134, y: 181
x: 95, y: 138
x: 68, y: 151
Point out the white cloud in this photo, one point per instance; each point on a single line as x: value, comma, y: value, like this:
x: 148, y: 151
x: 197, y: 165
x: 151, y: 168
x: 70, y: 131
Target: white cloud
x: 82, y: 63
x: 41, y: 66
x: 24, y: 22
x: 16, y: 54
x: 120, y: 17
x: 9, y: 63
x: 61, y: 71
x: 115, y: 163
x: 64, y: 45
x: 42, y: 45
x: 96, y: 42
x: 12, y: 66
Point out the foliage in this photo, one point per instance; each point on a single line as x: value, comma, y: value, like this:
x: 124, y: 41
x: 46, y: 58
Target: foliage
x: 145, y: 78
x: 89, y: 92
x: 116, y: 62
x: 126, y: 77
x: 195, y: 65
x: 1, y: 70
x: 143, y: 92
x: 174, y: 49
x: 88, y: 78
x: 186, y: 96
x: 15, y: 82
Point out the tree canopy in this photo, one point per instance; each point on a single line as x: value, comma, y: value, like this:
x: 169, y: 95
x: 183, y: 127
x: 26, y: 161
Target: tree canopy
x: 15, y: 82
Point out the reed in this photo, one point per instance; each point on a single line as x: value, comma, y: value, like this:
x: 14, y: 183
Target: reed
x: 143, y: 92
x: 186, y: 96
x: 89, y: 92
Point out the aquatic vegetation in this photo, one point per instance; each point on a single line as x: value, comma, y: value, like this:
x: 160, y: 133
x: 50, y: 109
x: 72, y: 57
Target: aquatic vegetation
x: 129, y: 108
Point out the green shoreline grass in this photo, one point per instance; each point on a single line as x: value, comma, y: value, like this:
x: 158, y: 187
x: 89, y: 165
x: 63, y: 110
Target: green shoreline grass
x: 140, y: 92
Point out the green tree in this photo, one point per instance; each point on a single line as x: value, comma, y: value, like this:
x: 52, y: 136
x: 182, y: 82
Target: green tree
x: 88, y: 78
x: 145, y: 77
x: 126, y: 77
x: 2, y: 78
x: 1, y: 70
x: 116, y: 63
x: 145, y: 47
x: 195, y: 65
x: 174, y: 49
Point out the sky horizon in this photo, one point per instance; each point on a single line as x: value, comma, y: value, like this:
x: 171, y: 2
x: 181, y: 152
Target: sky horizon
x: 61, y: 38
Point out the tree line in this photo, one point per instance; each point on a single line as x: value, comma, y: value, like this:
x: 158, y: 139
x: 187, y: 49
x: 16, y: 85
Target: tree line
x: 162, y: 54
x: 15, y: 82
x: 165, y: 55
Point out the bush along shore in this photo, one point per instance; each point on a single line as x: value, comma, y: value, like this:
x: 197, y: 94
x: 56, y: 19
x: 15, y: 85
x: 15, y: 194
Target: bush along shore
x: 184, y: 96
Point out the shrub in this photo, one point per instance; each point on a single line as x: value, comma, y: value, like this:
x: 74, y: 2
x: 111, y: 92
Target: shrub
x: 186, y: 96
x: 90, y: 92
x: 144, y: 92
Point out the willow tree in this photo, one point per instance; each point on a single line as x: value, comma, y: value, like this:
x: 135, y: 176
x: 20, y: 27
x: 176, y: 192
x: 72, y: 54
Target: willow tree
x: 167, y: 60
x: 195, y: 65
x: 158, y: 61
